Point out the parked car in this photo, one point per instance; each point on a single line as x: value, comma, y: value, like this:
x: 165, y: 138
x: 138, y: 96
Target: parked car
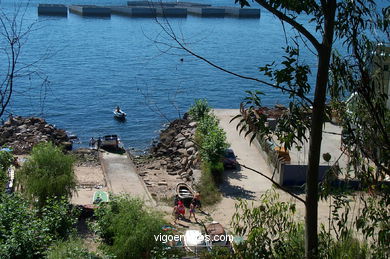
x: 230, y: 160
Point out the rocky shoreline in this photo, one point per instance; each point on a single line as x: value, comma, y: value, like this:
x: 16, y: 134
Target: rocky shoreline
x: 173, y: 159
x: 22, y: 133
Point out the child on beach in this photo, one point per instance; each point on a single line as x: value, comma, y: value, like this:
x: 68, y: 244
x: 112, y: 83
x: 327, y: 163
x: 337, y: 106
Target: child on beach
x: 192, y: 209
x: 175, y: 213
x: 196, y: 201
x: 179, y: 211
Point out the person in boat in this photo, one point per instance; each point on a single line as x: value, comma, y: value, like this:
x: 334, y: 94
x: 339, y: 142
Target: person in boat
x: 118, y: 109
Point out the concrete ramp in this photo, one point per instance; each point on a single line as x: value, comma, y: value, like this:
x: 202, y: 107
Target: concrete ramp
x: 122, y: 177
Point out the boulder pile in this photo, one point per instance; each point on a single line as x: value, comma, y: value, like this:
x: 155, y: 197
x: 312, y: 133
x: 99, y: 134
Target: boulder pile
x: 22, y: 133
x: 176, y: 150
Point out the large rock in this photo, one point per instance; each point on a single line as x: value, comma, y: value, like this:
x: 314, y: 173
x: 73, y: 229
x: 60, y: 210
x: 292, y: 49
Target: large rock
x: 189, y: 144
x: 190, y: 150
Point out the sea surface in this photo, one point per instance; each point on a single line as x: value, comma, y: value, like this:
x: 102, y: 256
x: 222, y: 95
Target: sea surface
x: 78, y: 69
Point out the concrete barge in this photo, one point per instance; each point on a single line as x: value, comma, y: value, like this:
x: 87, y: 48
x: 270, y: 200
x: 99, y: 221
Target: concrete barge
x: 151, y: 9
x: 140, y: 11
x: 242, y: 12
x: 207, y: 11
x: 146, y: 11
x: 151, y: 4
x: 90, y: 10
x: 172, y: 11
x: 52, y: 9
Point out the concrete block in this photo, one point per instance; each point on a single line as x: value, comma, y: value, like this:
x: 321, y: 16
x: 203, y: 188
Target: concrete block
x: 191, y: 4
x: 207, y: 11
x: 138, y: 3
x: 243, y: 12
x: 151, y: 3
x: 172, y: 12
x: 140, y: 11
x: 90, y: 10
x: 52, y: 9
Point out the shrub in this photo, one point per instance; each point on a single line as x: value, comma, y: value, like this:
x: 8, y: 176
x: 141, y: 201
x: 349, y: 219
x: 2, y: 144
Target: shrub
x: 47, y: 173
x: 213, y: 146
x: 207, y: 124
x: 26, y: 232
x: 207, y: 186
x: 212, y: 139
x: 72, y: 248
x: 127, y: 228
x: 272, y: 232
x: 199, y: 110
x: 346, y: 247
x: 270, y: 229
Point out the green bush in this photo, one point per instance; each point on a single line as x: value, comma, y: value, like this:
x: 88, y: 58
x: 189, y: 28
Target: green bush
x: 47, y: 173
x: 212, y: 142
x: 212, y: 139
x: 217, y: 253
x: 214, y: 146
x: 199, y: 110
x: 207, y: 185
x: 270, y: 229
x: 127, y: 228
x: 206, y: 125
x: 347, y: 247
x: 71, y: 249
x: 273, y: 232
x: 26, y: 232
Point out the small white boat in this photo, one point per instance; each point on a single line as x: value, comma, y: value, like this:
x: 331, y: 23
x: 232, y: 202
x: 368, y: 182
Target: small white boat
x: 184, y: 191
x: 119, y: 114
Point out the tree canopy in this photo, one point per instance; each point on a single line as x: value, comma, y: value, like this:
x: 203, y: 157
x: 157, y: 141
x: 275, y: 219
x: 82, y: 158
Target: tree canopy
x: 47, y: 173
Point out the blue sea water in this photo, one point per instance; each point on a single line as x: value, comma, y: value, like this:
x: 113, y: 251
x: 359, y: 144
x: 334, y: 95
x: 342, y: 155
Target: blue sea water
x: 95, y: 64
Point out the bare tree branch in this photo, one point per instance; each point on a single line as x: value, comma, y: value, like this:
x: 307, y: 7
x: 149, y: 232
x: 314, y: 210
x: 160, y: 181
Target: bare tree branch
x: 292, y: 22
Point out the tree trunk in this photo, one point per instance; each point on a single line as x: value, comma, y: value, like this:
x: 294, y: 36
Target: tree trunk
x: 317, y: 119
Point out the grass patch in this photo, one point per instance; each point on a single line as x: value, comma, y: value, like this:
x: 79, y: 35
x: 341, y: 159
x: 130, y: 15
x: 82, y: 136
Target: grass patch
x: 72, y: 248
x: 208, y: 186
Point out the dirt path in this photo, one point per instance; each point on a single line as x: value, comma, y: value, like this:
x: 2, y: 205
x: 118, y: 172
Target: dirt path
x: 122, y: 177
x: 244, y: 184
